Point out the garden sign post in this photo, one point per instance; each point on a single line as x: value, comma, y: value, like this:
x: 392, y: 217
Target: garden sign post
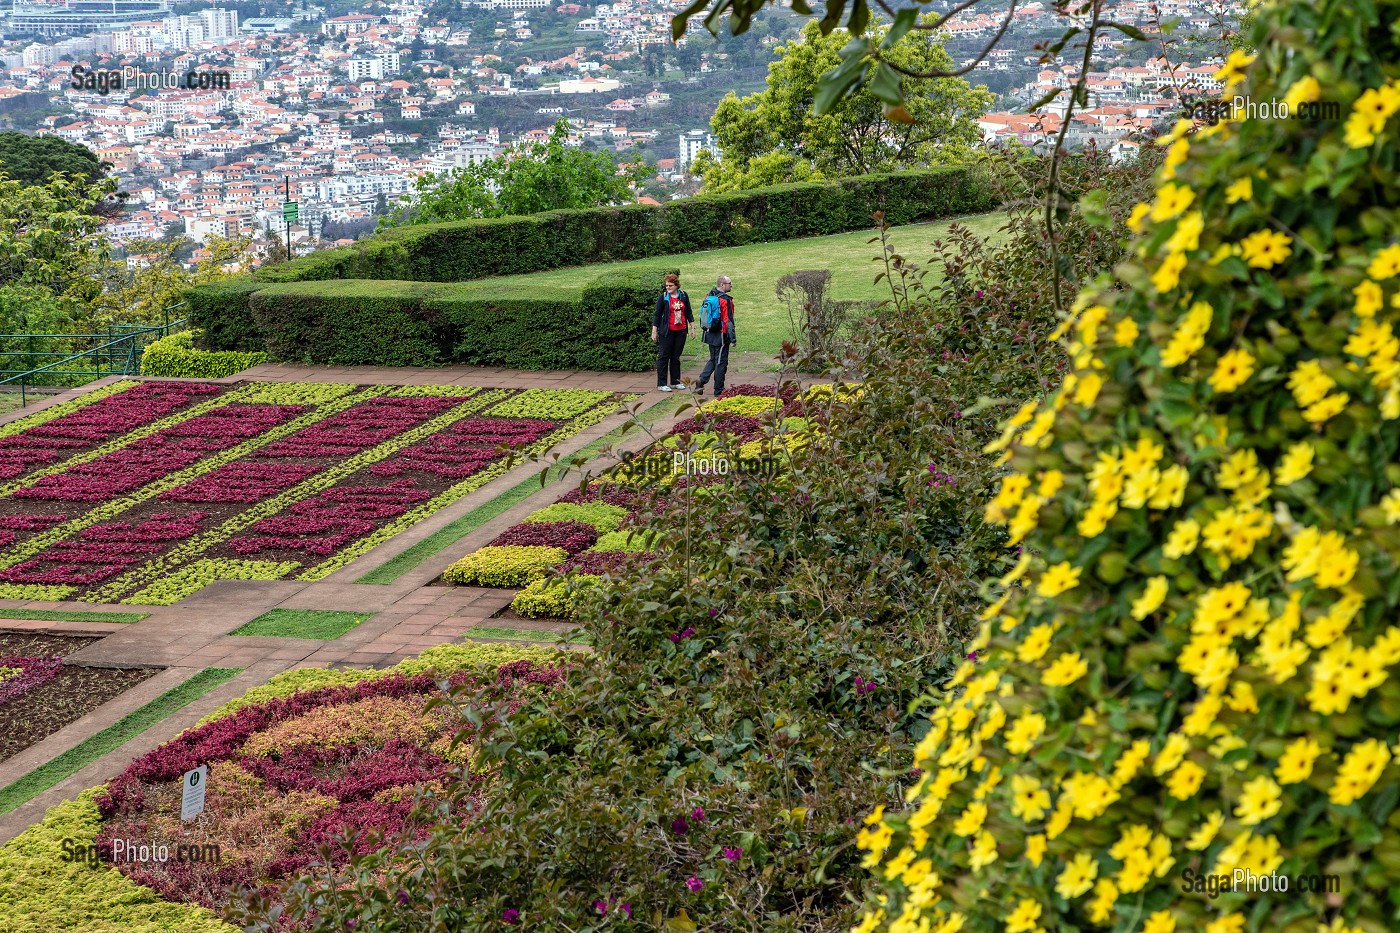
x: 192, y: 800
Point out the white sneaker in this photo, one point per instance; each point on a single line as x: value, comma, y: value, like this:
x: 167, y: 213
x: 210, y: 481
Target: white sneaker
x: 663, y: 388
x: 678, y: 385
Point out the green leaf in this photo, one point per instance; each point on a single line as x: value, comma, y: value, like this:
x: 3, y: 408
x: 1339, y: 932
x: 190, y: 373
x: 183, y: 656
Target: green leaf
x: 904, y: 20
x: 884, y: 84
x: 1132, y: 32
x: 843, y: 79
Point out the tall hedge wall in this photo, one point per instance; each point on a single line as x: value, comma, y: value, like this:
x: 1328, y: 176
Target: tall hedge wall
x: 363, y: 322
x: 474, y: 249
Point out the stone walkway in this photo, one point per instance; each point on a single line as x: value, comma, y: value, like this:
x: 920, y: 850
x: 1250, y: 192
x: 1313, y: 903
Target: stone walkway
x: 409, y: 615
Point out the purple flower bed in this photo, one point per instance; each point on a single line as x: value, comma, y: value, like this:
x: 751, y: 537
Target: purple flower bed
x: 610, y: 493
x: 103, y: 551
x: 138, y: 802
x: 571, y: 536
x: 600, y: 562
x: 331, y: 520
x: 242, y: 482
x: 466, y: 448
x: 32, y: 673
x: 358, y: 428
x: 95, y: 424
x: 151, y: 458
x: 741, y: 426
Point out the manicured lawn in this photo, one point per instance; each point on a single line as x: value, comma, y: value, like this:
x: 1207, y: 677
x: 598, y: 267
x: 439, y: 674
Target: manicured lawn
x: 320, y: 624
x: 763, y: 319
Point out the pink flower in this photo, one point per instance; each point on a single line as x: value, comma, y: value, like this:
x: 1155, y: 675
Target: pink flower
x: 732, y: 853
x: 694, y: 884
x: 510, y: 915
x: 697, y: 814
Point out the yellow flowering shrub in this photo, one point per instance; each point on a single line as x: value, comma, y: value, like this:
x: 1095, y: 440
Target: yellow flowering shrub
x: 1189, y: 672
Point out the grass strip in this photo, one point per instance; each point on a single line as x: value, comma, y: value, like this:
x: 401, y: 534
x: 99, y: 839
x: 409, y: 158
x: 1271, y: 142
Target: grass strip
x: 64, y: 615
x: 445, y: 537
x: 517, y: 634
x: 113, y: 737
x: 321, y: 624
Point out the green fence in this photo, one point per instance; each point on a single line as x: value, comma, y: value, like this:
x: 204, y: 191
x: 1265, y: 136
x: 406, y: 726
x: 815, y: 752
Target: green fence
x: 63, y: 360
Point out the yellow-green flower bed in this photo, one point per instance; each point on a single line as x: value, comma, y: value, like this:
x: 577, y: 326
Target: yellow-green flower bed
x: 1181, y: 713
x: 508, y: 565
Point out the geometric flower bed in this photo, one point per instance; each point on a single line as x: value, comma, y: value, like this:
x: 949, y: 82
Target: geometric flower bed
x: 587, y: 533
x: 150, y: 491
x: 39, y: 695
x: 311, y: 758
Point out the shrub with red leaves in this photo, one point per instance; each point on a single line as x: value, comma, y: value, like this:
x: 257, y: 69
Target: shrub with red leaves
x: 571, y: 536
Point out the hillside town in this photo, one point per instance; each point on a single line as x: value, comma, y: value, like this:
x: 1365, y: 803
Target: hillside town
x: 212, y: 122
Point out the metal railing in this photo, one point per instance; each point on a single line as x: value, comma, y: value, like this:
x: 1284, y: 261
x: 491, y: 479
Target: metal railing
x: 119, y: 354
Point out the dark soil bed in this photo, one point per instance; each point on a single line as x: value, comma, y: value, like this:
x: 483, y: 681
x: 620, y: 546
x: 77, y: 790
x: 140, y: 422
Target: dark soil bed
x: 69, y: 695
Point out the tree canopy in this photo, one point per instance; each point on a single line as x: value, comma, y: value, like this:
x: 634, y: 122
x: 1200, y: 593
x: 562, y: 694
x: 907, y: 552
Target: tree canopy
x: 527, y: 179
x: 775, y: 136
x: 33, y: 160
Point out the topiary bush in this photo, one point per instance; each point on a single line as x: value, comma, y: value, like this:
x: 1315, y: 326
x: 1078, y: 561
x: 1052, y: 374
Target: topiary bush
x: 511, y: 565
x: 1188, y: 672
x: 176, y: 356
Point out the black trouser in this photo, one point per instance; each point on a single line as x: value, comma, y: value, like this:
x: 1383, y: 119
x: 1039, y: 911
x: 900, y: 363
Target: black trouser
x: 718, y: 365
x: 669, y: 344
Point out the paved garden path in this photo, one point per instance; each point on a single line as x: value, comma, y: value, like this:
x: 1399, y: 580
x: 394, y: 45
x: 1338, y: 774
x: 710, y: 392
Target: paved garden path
x: 409, y: 614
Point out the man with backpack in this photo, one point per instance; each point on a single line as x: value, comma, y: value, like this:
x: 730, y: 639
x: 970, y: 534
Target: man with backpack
x: 717, y: 331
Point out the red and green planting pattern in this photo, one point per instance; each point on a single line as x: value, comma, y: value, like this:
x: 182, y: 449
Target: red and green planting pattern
x: 590, y: 532
x: 289, y: 775
x: 146, y: 492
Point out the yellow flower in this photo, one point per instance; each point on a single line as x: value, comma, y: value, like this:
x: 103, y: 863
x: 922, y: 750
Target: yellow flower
x: 1058, y: 579
x: 1308, y: 383
x: 1359, y: 771
x: 1185, y: 780
x: 1326, y: 409
x: 1066, y: 669
x: 1169, y: 272
x: 1105, y: 896
x: 1239, y: 469
x: 1369, y: 299
x: 1296, y: 762
x: 1029, y: 801
x: 1264, y: 249
x: 1172, y: 200
x: 1232, y: 72
x: 984, y: 851
x: 1136, y: 217
x: 1088, y: 389
x: 1173, y: 750
x: 1187, y: 235
x: 971, y: 819
x: 1295, y: 465
x: 1386, y: 263
x: 1125, y: 332
x: 1303, y: 91
x: 1035, y: 849
x: 1160, y: 922
x: 1176, y: 155
x: 1077, y: 877
x: 1151, y: 598
x: 1230, y: 923
x: 1360, y: 130
x: 1240, y: 190
x: 1033, y: 647
x: 1390, y: 505
x: 1205, y: 834
x: 1023, y: 732
x: 1260, y: 800
x: 1023, y: 918
x: 1171, y: 488
x: 1232, y: 370
x: 1182, y: 540
x: 1233, y: 532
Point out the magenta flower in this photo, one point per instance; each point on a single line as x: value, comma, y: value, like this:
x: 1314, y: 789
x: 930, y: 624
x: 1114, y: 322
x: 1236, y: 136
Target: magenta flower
x: 713, y: 613
x: 679, y: 826
x: 694, y: 884
x: 732, y: 853
x: 684, y: 633
x: 972, y: 655
x: 601, y: 906
x: 626, y: 908
x: 697, y: 814
x: 510, y: 915
x: 403, y: 897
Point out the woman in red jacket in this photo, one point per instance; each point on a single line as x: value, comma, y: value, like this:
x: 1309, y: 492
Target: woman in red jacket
x: 669, y: 327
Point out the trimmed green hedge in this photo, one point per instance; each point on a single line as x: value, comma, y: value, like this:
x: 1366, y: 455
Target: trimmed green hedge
x: 474, y: 249
x: 373, y: 302
x: 176, y: 356
x: 363, y: 322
